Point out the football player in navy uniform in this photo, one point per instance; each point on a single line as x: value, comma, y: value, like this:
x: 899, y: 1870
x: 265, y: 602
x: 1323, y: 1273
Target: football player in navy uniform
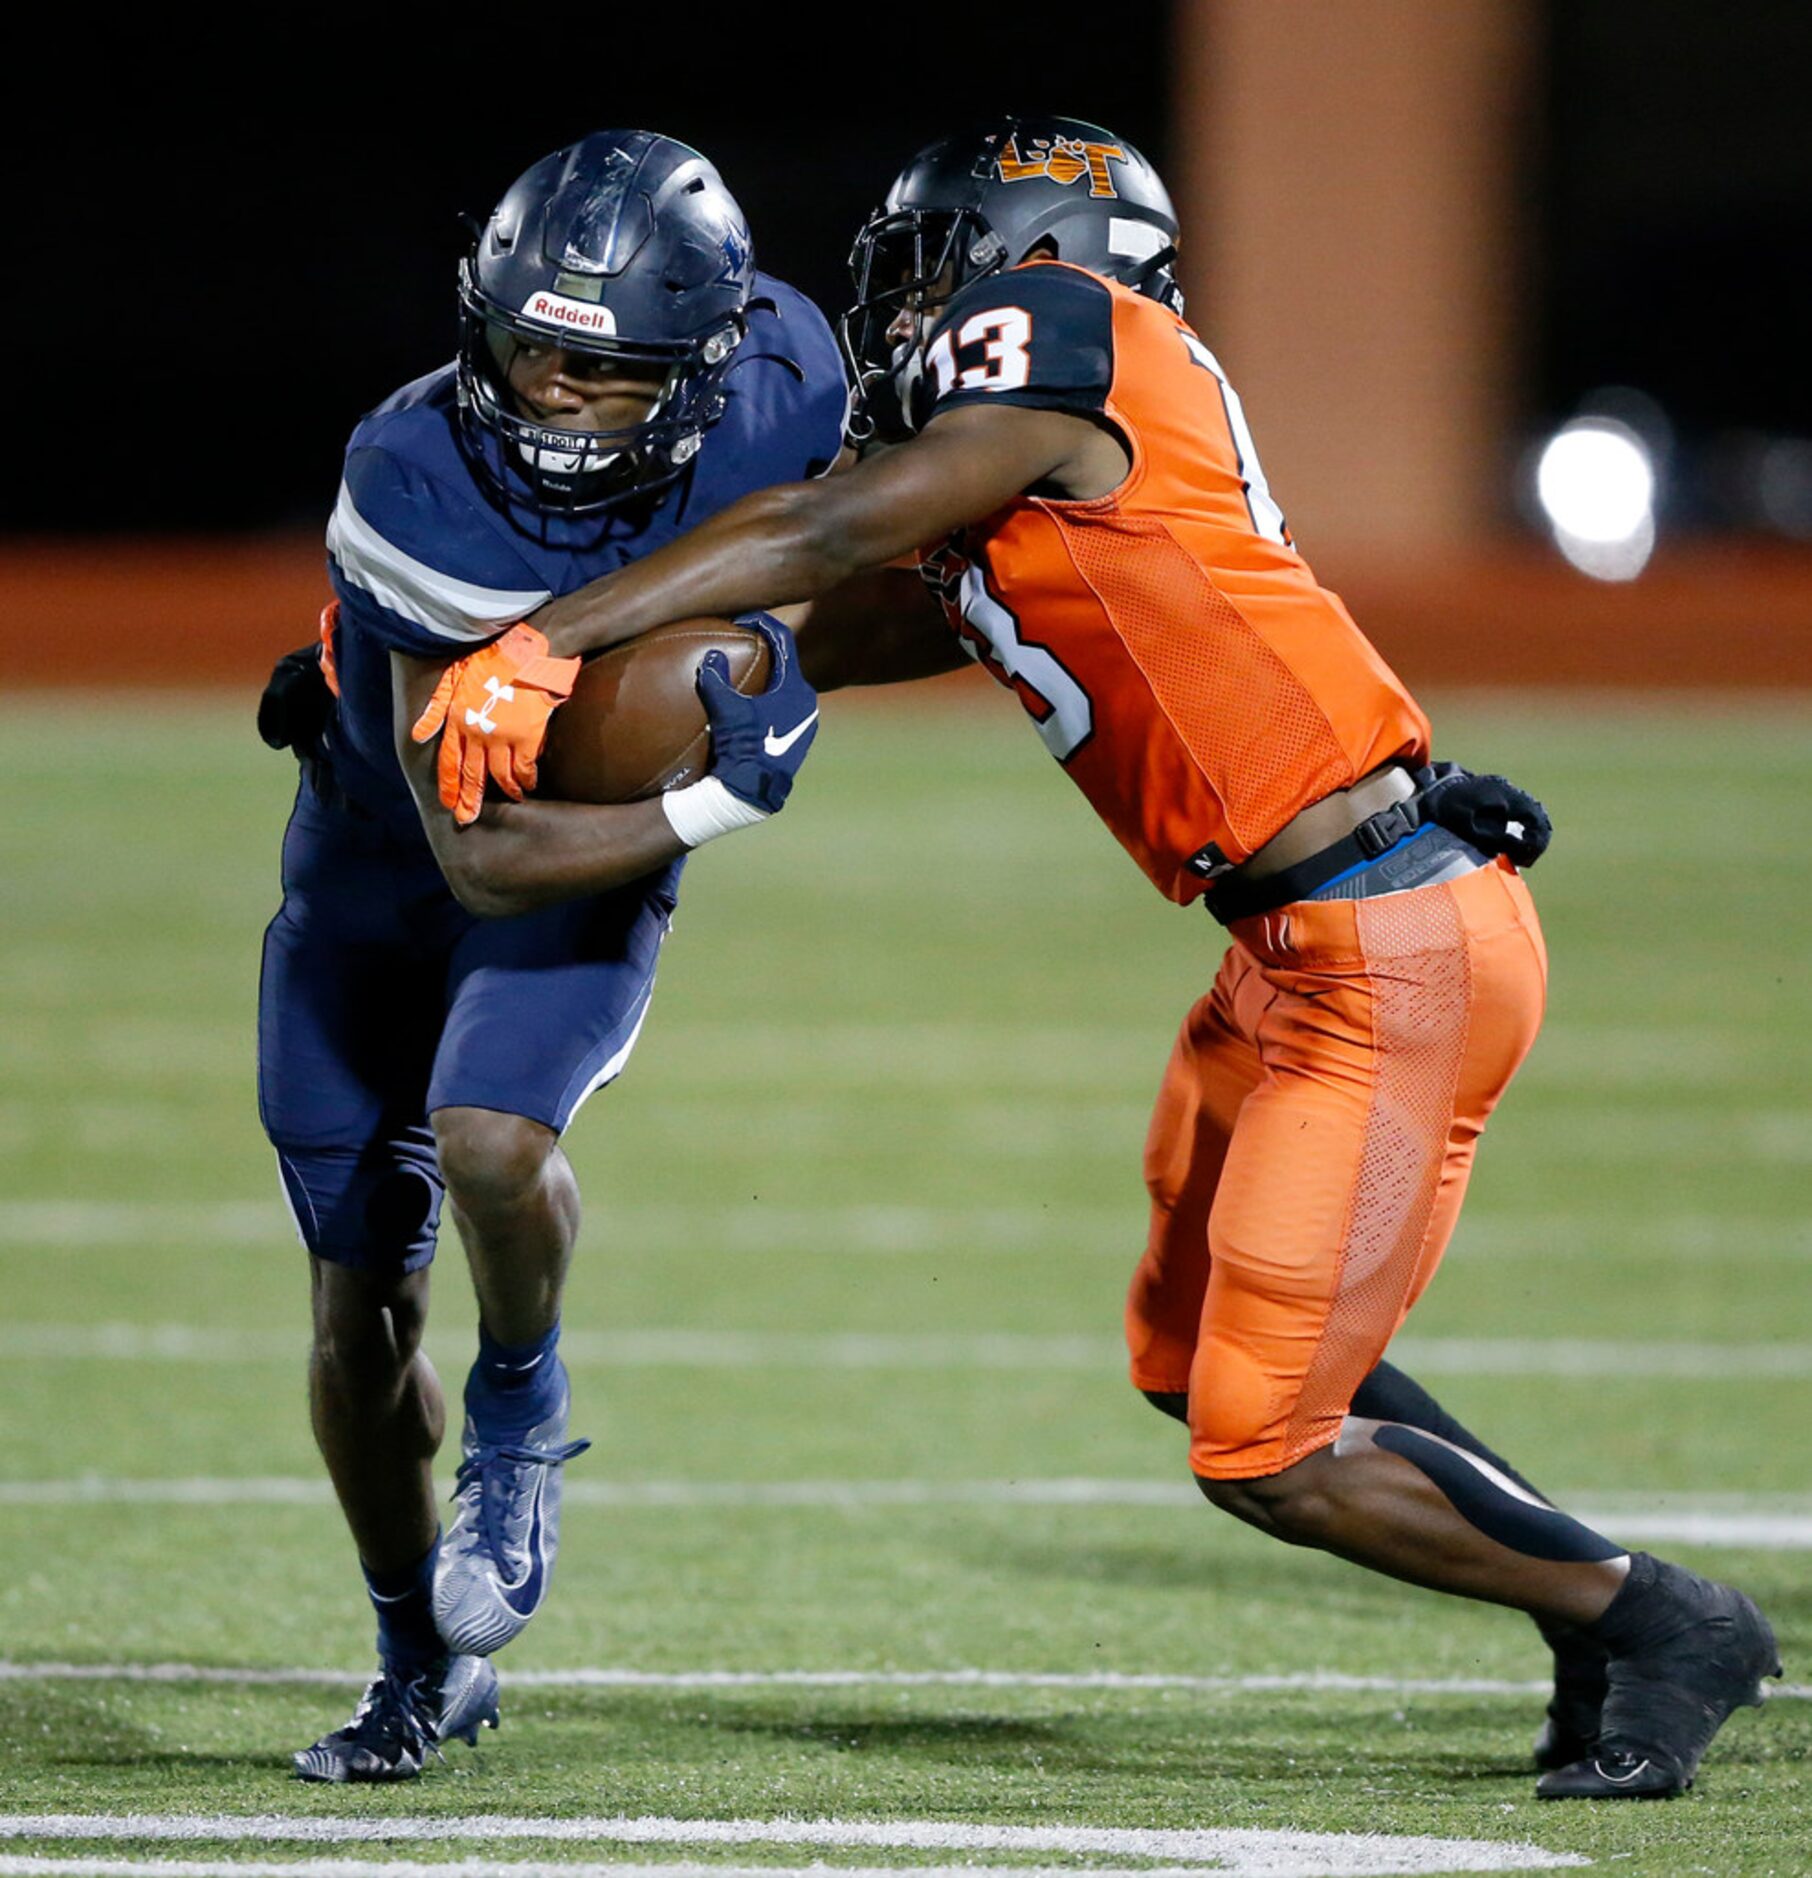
x: 1079, y: 487
x: 442, y: 990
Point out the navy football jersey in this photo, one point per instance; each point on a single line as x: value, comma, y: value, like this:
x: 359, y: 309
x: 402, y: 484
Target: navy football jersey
x: 424, y: 562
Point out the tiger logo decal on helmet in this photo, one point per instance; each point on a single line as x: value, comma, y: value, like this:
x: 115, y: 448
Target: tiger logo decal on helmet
x: 1062, y: 160
x: 969, y: 205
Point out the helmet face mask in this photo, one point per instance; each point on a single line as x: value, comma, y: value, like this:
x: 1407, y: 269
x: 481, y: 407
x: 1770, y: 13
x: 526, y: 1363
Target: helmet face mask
x: 576, y: 471
x: 625, y: 249
x: 905, y: 265
x: 971, y: 205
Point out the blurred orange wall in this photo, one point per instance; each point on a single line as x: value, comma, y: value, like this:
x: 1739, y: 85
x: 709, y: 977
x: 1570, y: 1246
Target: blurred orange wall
x: 1346, y: 177
x: 156, y: 612
x: 188, y: 613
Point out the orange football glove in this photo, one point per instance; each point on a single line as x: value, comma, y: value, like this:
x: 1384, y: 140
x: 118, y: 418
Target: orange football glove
x: 330, y: 618
x: 491, y: 711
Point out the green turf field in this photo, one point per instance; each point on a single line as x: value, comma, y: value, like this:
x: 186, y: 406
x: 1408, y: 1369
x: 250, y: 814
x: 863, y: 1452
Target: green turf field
x: 844, y: 1326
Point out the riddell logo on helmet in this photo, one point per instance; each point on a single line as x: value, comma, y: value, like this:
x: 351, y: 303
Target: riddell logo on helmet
x: 554, y: 309
x: 1060, y: 160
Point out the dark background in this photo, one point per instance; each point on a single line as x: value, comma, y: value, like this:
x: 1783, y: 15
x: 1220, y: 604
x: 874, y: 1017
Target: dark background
x: 230, y: 250
x: 1672, y: 157
x: 291, y: 250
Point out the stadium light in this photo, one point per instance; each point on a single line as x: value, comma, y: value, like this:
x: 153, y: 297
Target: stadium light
x: 1596, y: 483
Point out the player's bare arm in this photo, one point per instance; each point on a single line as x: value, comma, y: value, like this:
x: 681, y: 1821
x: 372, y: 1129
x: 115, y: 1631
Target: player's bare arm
x: 798, y: 541
x: 881, y: 627
x: 521, y: 855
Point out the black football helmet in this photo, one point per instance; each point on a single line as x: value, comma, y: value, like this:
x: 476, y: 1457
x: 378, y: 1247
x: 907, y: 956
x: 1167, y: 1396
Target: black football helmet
x: 969, y: 205
x: 625, y: 245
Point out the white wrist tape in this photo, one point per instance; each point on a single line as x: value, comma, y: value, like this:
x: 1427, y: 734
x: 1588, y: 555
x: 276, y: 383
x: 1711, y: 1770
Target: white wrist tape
x: 704, y: 810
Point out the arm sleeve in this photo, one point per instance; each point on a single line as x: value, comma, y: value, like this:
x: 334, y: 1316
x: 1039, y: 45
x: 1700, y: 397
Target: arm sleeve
x: 418, y: 564
x: 1041, y: 336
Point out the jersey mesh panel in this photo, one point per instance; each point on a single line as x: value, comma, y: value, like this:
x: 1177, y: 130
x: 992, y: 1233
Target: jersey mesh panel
x: 1415, y: 945
x: 1251, y: 724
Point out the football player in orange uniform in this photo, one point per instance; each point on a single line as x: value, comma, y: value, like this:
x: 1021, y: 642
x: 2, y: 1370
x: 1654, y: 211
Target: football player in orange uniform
x: 1075, y: 478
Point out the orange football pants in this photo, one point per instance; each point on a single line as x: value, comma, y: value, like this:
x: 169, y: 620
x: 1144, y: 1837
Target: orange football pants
x: 1310, y: 1148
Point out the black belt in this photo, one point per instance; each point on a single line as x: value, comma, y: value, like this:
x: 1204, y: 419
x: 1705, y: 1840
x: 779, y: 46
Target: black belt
x: 1238, y: 898
x: 1492, y: 814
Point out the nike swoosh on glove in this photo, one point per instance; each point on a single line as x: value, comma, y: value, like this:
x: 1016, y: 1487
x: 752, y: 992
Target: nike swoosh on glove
x: 758, y: 743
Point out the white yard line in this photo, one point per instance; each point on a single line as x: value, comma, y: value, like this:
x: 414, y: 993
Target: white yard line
x: 90, y: 1223
x: 13, y: 1866
x: 906, y: 1230
x: 1676, y: 1520
x: 195, y: 1490
x: 874, y: 1228
x: 630, y: 1349
x: 1595, y: 1360
x: 1584, y: 1359
x: 1081, y: 1682
x: 1686, y: 1236
x: 1249, y: 1852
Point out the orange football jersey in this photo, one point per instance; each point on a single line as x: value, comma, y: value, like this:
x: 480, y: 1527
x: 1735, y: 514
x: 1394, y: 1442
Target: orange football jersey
x: 1178, y: 656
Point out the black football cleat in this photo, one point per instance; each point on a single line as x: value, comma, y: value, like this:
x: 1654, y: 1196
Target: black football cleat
x: 1571, y: 1729
x: 1668, y: 1697
x: 402, y: 1719
x: 1616, y: 1774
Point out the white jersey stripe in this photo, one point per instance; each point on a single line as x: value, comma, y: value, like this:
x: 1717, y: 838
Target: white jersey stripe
x: 448, y: 608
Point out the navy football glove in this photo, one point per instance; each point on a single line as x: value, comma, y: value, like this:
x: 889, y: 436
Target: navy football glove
x: 1488, y: 811
x: 758, y: 743
x: 295, y: 707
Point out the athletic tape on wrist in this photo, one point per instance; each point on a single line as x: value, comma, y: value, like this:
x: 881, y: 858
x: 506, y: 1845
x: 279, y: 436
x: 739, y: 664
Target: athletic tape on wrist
x: 704, y: 810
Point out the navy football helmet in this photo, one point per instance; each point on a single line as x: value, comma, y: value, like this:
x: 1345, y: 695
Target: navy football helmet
x: 970, y: 205
x: 625, y: 246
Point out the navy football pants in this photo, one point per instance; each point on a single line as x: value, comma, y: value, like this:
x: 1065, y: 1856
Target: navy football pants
x: 383, y: 1000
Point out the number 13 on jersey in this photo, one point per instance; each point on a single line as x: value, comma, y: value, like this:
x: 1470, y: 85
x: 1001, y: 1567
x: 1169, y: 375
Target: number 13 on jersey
x: 1005, y: 336
x: 1058, y: 705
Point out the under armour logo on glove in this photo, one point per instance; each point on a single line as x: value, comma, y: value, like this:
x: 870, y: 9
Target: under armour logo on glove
x: 1490, y: 812
x: 491, y: 711
x: 500, y: 694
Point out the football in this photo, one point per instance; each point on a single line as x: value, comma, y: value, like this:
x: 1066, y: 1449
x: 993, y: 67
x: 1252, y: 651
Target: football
x: 634, y: 725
